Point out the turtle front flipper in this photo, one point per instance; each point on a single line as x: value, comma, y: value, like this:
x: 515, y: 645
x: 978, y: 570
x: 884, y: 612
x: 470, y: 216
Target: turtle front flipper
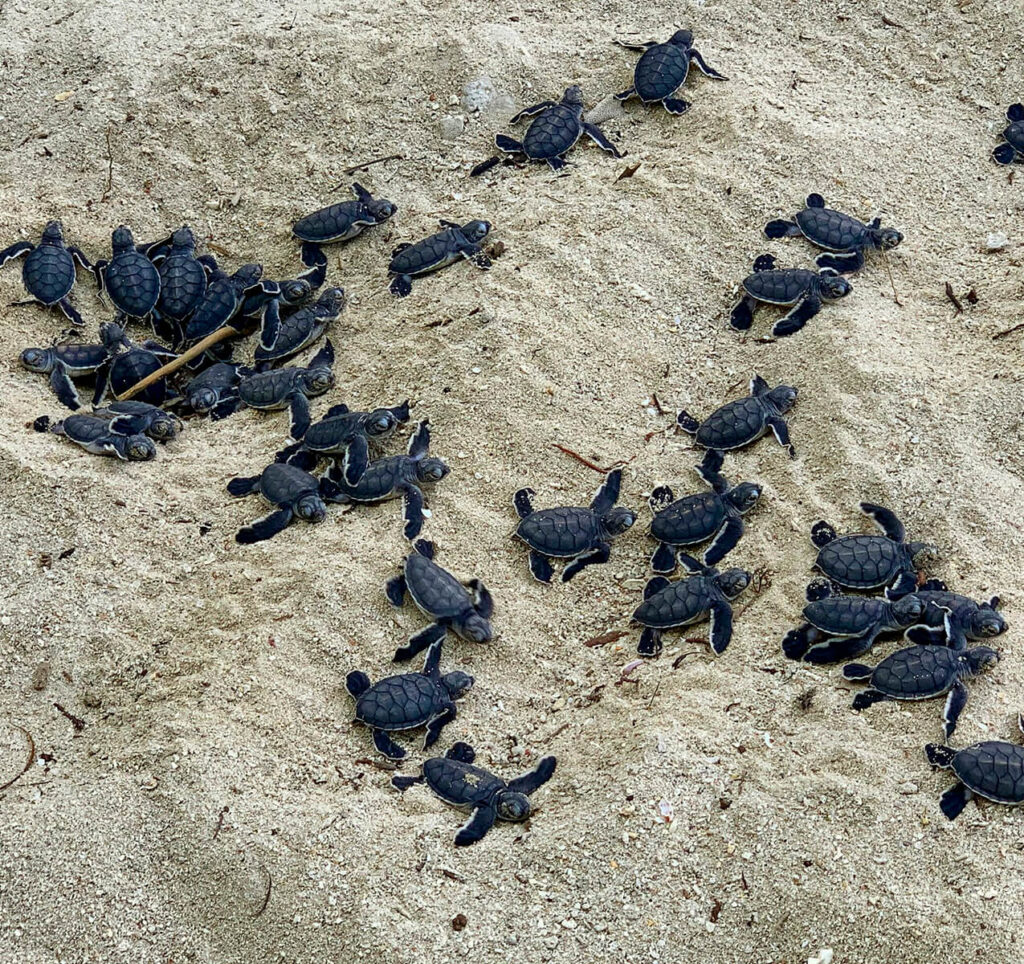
x: 724, y: 541
x: 70, y: 312
x: 357, y: 458
x: 905, y: 582
x: 925, y: 636
x: 598, y: 137
x: 608, y: 493
x: 483, y: 602
x: 953, y: 801
x: 535, y: 779
x: 63, y: 387
x: 540, y: 567
x: 742, y: 316
x: 266, y: 528
x: 270, y: 324
x: 721, y: 626
x: 676, y: 106
x: 955, y: 703
x: 420, y: 641
x: 599, y: 554
x: 650, y: 644
x: 395, y: 590
x: 531, y: 111
x: 479, y: 822
x: 781, y: 432
x: 437, y: 724
x: 798, y: 316
x: 225, y: 407
x: 838, y: 648
x: 841, y: 263
x: 663, y: 559
x: 386, y: 746
x: 298, y: 406
x: 315, y: 260
x: 703, y: 67
x: 521, y: 502
x: 16, y: 250
x: 412, y: 511
x: 780, y: 228
x: 709, y: 471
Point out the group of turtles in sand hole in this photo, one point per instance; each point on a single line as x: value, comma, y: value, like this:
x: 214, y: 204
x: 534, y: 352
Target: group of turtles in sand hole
x: 145, y: 389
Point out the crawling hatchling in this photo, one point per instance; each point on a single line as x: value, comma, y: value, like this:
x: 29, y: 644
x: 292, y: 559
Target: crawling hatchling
x: 94, y: 434
x: 452, y: 243
x: 129, y: 279
x: 293, y: 493
x: 464, y: 609
x: 299, y: 330
x: 64, y: 363
x: 344, y: 221
x: 488, y: 798
x: 1012, y: 149
x: 949, y: 612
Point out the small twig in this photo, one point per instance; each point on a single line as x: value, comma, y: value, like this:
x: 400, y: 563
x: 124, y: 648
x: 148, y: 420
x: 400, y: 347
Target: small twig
x: 76, y: 722
x: 220, y: 822
x: 110, y: 166
x: 891, y: 23
x: 588, y: 463
x: 650, y: 702
x: 553, y: 734
x: 28, y: 762
x: 678, y: 661
x: 366, y: 164
x: 657, y: 404
x: 954, y: 299
x: 888, y: 271
x: 266, y: 896
x: 1008, y: 331
x: 183, y: 359
x: 605, y: 638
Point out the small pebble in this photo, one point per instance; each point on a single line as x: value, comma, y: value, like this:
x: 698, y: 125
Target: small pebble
x: 996, y: 241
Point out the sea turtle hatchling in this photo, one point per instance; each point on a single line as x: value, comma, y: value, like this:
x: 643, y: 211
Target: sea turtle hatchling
x: 392, y: 477
x: 407, y: 702
x: 342, y: 222
x: 300, y: 329
x: 123, y: 369
x: 672, y: 605
x: 183, y: 279
x: 49, y: 270
x: 805, y: 290
x: 464, y: 609
x: 94, y: 434
x: 715, y: 515
x: 993, y: 769
x: 293, y: 493
x: 839, y: 627
x: 457, y: 782
x: 223, y: 299
x: 280, y: 388
x: 346, y: 435
x: 966, y: 618
x: 213, y: 385
x: 580, y: 534
x: 1012, y: 148
x: 140, y: 418
x: 835, y: 231
x: 866, y: 561
x: 64, y: 363
x: 922, y: 673
x: 744, y: 420
x: 555, y: 132
x: 662, y: 70
x: 447, y: 246
x: 129, y: 279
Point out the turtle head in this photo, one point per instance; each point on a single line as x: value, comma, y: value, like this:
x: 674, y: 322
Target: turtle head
x: 682, y: 38
x: 311, y: 508
x: 985, y: 623
x: 202, y: 400
x: 475, y: 628
x: 909, y: 609
x: 475, y: 231
x: 431, y: 470
x: 316, y: 381
x: 122, y: 239
x: 140, y: 448
x: 618, y: 520
x: 745, y: 495
x: 782, y: 397
x: 833, y: 286
x: 36, y: 359
x: 573, y: 96
x: 980, y: 658
x: 457, y: 683
x: 183, y: 238
x: 733, y: 581
x: 165, y: 426
x: 381, y: 208
x: 514, y: 806
x: 53, y: 233
x: 922, y: 554
x: 886, y: 239
x: 294, y: 291
x: 380, y: 423
x: 332, y: 300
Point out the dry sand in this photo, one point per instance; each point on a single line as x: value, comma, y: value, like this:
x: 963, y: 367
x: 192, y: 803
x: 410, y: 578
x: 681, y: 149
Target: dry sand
x: 217, y: 754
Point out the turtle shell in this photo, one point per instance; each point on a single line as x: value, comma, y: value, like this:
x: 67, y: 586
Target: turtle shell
x: 130, y: 368
x: 678, y: 604
x: 81, y: 359
x: 780, y: 286
x: 431, y: 253
x: 296, y: 331
x: 460, y: 784
x: 133, y: 283
x: 830, y: 229
x: 845, y: 615
x: 269, y: 390
x: 1014, y: 135
x: 284, y: 484
x: 735, y: 424
x: 435, y: 590
x: 331, y: 436
x: 379, y: 481
x: 560, y: 533
x: 861, y: 561
x: 993, y: 769
x: 84, y: 429
x: 219, y: 304
x: 917, y: 672
x: 182, y: 285
x: 48, y: 273
x: 400, y: 702
x: 661, y: 71
x: 339, y: 222
x: 689, y: 520
x: 553, y: 133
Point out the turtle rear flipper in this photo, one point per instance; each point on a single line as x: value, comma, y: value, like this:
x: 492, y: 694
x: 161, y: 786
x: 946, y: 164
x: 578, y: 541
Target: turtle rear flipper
x: 939, y: 756
x: 1015, y: 112
x: 650, y: 643
x: 820, y: 589
x: 484, y: 166
x: 243, y: 485
x: 1004, y: 154
x: 480, y: 821
x: 266, y: 528
x: 815, y: 201
x: 535, y: 779
x: 402, y: 784
x: 822, y: 533
x: 795, y: 319
x: 676, y: 106
x: 765, y: 262
x: 662, y: 497
x: 654, y: 586
x: 626, y: 94
x: 742, y: 316
x: 357, y: 683
x: 953, y: 801
x: 781, y: 228
x: 857, y: 671
x: 462, y: 752
x: 522, y: 503
x: 797, y: 641
x: 933, y: 585
x: 687, y: 422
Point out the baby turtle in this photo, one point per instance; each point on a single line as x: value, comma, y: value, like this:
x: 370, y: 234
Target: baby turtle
x: 835, y: 231
x: 841, y: 627
x: 445, y: 247
x: 407, y: 702
x: 744, y: 420
x: 345, y: 435
x: 552, y: 135
x: 993, y: 769
x: 464, y: 609
x: 393, y: 477
x: 63, y: 363
x: 582, y: 535
x: 281, y: 388
x: 871, y: 561
x: 662, y: 70
x: 216, y: 384
x: 806, y: 290
x: 288, y: 294
x: 715, y: 515
x: 301, y: 329
x: 294, y: 493
x: 456, y: 781
x: 342, y: 222
x: 182, y: 284
x: 124, y: 369
x: 223, y: 299
x: 49, y: 270
x: 672, y: 605
x: 1013, y: 147
x: 95, y: 435
x: 966, y: 618
x: 140, y: 418
x: 129, y: 278
x: 922, y: 673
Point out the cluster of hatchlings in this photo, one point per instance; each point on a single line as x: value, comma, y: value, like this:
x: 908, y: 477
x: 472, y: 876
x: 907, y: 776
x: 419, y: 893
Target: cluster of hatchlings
x: 197, y: 309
